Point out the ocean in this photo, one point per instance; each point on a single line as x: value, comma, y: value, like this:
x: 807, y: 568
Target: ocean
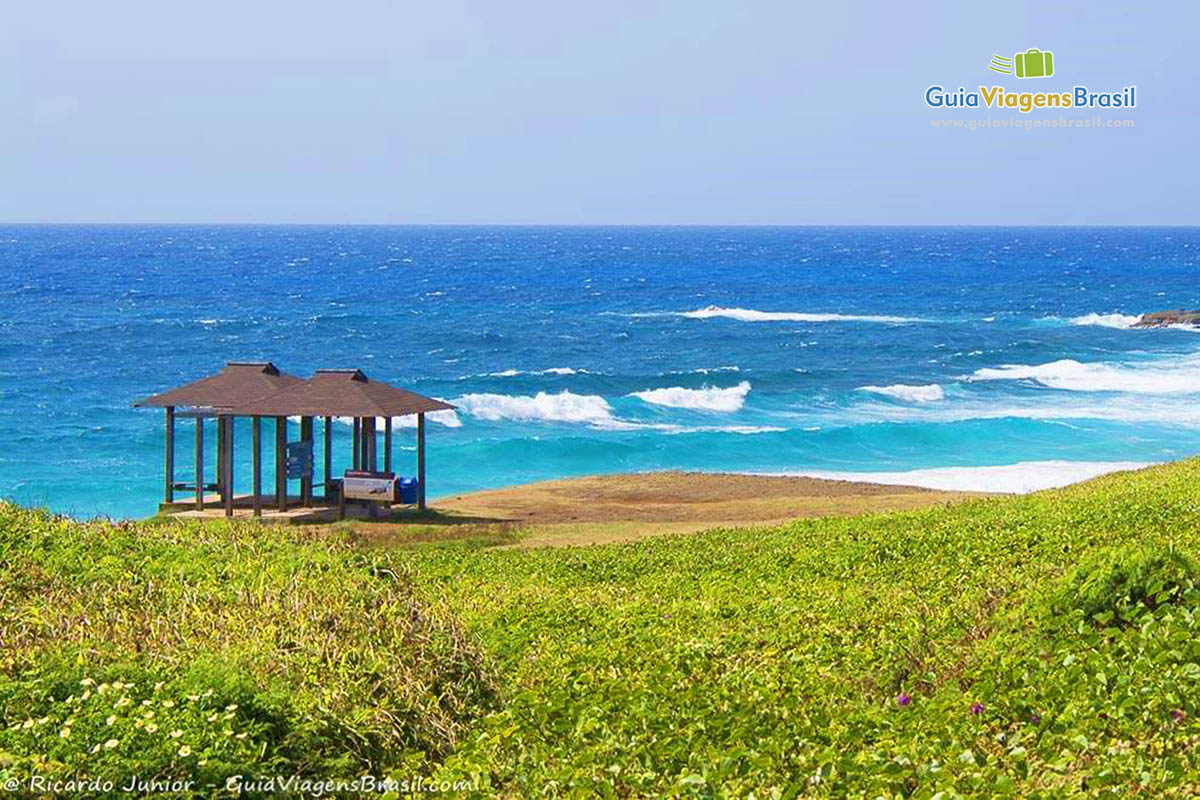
x: 979, y: 358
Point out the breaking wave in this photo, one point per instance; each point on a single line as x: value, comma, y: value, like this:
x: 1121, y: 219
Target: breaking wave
x: 448, y: 418
x: 561, y: 407
x: 512, y: 373
x: 1107, y: 320
x: 910, y: 394
x: 1177, y: 376
x: 754, y: 315
x: 706, y: 399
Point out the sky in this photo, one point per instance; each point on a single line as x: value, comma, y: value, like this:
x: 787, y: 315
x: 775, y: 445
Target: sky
x: 688, y: 112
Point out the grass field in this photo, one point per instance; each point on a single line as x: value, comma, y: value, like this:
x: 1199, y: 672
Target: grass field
x: 1030, y: 646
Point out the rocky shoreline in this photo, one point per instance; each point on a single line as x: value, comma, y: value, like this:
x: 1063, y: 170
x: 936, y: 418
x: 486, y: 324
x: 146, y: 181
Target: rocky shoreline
x: 1163, y: 319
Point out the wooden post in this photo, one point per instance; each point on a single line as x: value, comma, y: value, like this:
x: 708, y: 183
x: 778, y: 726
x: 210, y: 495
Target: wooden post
x: 227, y: 463
x: 169, y: 458
x: 369, y: 442
x: 306, y: 484
x: 221, y: 457
x: 421, y: 461
x: 387, y: 445
x: 357, y: 443
x: 199, y: 461
x: 281, y: 483
x: 328, y: 456
x: 256, y: 435
x: 229, y: 482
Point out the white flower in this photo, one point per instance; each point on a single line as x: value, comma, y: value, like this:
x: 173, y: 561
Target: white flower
x: 65, y: 733
x: 111, y: 743
x: 175, y: 734
x: 185, y: 751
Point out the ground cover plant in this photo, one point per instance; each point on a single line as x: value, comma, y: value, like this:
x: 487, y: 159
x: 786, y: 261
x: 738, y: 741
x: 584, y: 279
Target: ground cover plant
x: 218, y: 650
x: 1040, y: 646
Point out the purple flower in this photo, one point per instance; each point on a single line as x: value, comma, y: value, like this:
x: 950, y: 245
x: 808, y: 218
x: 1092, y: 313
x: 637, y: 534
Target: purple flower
x: 1035, y: 719
x: 977, y: 708
x: 1178, y: 715
x: 903, y: 699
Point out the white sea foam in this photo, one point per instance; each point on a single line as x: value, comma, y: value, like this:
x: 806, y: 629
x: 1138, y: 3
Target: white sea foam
x: 928, y: 393
x: 512, y: 373
x: 754, y: 315
x: 561, y: 407
x: 1107, y: 320
x: 1026, y: 476
x: 706, y: 399
x: 1160, y: 410
x: 706, y: 370
x: 672, y: 429
x: 447, y: 418
x: 1166, y: 376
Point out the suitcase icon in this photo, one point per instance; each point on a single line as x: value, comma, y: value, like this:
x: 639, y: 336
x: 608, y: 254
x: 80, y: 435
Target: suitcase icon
x: 1034, y: 63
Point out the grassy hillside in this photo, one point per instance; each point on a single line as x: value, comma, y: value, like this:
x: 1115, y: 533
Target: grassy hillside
x: 168, y: 650
x: 1036, y: 646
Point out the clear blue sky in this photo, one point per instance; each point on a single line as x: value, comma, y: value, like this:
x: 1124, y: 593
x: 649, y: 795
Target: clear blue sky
x: 460, y: 111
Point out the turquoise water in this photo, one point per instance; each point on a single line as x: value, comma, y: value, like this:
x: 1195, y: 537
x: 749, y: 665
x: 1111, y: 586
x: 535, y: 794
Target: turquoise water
x: 937, y: 356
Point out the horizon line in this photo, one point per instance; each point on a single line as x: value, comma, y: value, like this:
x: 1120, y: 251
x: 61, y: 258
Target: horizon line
x: 150, y: 224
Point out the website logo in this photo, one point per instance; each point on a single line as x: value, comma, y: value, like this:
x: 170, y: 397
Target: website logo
x: 1033, y: 63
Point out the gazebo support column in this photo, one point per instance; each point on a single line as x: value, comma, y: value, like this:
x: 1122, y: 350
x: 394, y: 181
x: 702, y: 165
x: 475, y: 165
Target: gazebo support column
x: 421, y: 462
x: 256, y: 435
x: 328, y: 454
x: 199, y: 462
x: 369, y: 443
x: 356, y: 461
x: 227, y: 464
x: 306, y: 483
x: 169, y: 457
x: 281, y: 463
x: 387, y: 445
x: 221, y: 457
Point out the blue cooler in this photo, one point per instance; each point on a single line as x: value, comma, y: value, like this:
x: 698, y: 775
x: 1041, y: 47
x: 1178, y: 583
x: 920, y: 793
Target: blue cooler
x: 408, y: 491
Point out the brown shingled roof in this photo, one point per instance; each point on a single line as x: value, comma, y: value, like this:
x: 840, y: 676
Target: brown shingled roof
x: 341, y: 393
x: 240, y: 382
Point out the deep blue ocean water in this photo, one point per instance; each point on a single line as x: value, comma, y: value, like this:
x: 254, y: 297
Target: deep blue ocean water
x: 946, y: 354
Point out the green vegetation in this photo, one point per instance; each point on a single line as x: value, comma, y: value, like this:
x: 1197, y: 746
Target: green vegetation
x: 217, y: 650
x: 1042, y: 646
